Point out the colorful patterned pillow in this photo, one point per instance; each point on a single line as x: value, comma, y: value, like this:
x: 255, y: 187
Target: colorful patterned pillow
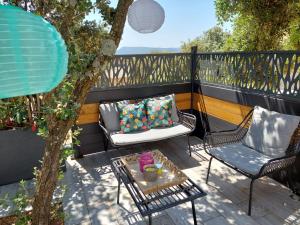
x: 159, y: 112
x: 174, y: 115
x: 132, y: 117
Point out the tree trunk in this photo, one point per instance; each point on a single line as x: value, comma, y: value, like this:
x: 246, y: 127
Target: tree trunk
x: 47, y: 177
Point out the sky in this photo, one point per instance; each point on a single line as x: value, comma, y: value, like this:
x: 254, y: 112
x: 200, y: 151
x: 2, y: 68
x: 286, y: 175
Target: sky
x: 185, y: 19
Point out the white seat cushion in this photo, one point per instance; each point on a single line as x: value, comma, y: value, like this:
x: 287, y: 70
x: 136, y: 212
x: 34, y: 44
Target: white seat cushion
x: 154, y: 134
x: 241, y: 157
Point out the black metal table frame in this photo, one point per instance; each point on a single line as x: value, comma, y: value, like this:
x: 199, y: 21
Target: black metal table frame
x: 157, y: 201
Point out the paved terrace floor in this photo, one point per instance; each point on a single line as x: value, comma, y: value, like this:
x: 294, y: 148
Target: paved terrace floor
x: 92, y: 196
x: 92, y: 192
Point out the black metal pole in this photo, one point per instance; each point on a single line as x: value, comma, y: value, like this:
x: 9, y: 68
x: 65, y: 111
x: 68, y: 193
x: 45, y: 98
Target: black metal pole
x: 119, y: 185
x: 193, y: 74
x: 194, y: 212
x: 195, y: 63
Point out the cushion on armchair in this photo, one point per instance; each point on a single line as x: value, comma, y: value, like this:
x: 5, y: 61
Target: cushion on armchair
x: 241, y: 157
x: 270, y: 132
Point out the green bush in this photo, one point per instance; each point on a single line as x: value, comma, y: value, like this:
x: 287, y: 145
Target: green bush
x: 14, y: 113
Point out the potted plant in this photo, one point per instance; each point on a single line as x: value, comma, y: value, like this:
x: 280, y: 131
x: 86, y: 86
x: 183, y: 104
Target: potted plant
x: 20, y: 146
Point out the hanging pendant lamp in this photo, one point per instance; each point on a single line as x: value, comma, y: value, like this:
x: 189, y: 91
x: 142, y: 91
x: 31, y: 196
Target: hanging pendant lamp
x: 33, y: 55
x: 146, y: 16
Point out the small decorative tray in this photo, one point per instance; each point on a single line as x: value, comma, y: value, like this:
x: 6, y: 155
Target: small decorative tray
x: 171, y: 175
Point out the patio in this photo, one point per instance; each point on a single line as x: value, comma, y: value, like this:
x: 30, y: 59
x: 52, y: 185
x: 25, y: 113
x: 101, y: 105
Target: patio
x: 91, y: 193
x: 218, y: 105
x: 91, y: 196
x: 65, y: 127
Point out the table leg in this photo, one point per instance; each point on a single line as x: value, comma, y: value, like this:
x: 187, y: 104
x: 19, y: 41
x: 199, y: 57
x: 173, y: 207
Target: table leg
x: 150, y: 219
x: 119, y: 184
x: 194, y: 213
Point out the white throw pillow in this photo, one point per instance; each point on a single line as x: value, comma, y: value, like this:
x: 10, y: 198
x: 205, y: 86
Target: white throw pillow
x: 270, y: 132
x: 110, y: 115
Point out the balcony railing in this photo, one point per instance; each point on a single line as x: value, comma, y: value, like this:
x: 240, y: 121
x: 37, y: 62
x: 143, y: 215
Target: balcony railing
x: 264, y: 72
x: 146, y: 70
x: 273, y: 73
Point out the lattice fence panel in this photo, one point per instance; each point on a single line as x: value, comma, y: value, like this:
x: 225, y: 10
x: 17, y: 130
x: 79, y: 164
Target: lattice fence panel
x: 265, y: 72
x: 145, y: 70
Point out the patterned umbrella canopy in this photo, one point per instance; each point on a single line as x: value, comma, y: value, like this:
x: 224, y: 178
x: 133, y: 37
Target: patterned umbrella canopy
x: 33, y: 55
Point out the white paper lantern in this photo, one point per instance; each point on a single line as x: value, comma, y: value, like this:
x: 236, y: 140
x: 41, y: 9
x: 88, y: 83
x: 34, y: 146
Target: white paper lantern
x: 146, y: 16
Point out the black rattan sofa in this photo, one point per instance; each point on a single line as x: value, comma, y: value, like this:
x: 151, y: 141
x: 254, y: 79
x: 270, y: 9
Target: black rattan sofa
x: 231, y: 158
x: 184, y: 127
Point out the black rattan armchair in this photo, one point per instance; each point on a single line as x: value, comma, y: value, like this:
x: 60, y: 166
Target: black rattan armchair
x: 217, y: 139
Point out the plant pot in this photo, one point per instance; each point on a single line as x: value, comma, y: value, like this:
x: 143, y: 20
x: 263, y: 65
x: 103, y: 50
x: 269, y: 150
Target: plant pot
x: 21, y: 150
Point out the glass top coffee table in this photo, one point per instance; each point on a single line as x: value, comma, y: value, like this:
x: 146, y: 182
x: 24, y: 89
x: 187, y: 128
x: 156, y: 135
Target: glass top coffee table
x: 158, y: 200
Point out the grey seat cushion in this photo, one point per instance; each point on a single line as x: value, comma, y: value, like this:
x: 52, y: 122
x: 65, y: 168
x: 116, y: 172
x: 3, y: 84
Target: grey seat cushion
x: 241, y: 157
x: 155, y: 134
x: 270, y: 132
x: 110, y: 115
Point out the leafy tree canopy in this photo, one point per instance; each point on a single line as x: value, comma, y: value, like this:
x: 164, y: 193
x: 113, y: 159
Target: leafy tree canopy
x: 211, y: 40
x: 261, y: 24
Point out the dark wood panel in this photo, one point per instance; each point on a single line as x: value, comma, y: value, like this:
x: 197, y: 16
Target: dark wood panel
x: 97, y: 95
x: 89, y: 128
x: 91, y: 138
x: 89, y: 149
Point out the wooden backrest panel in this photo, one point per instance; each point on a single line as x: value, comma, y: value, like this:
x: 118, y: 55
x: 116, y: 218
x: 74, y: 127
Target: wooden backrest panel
x: 231, y: 112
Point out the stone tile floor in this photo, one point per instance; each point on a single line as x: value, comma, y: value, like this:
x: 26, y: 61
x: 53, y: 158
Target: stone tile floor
x: 92, y: 189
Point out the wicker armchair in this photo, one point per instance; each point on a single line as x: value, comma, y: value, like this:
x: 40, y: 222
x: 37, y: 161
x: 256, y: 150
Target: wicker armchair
x: 223, y: 138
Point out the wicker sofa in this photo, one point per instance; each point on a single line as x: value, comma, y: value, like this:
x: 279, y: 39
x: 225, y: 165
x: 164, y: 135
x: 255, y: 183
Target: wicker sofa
x: 231, y: 147
x: 183, y: 126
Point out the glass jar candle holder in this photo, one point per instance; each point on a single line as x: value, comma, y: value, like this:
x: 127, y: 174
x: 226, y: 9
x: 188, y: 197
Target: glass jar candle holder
x: 145, y: 159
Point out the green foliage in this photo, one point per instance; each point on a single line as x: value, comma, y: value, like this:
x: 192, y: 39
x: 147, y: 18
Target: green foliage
x: 83, y: 40
x: 60, y: 107
x: 243, y: 36
x: 259, y: 24
x: 107, y: 12
x: 4, y: 202
x: 292, y: 40
x: 84, y: 45
x: 13, y: 113
x: 20, y: 202
x: 75, y: 134
x: 210, y: 41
